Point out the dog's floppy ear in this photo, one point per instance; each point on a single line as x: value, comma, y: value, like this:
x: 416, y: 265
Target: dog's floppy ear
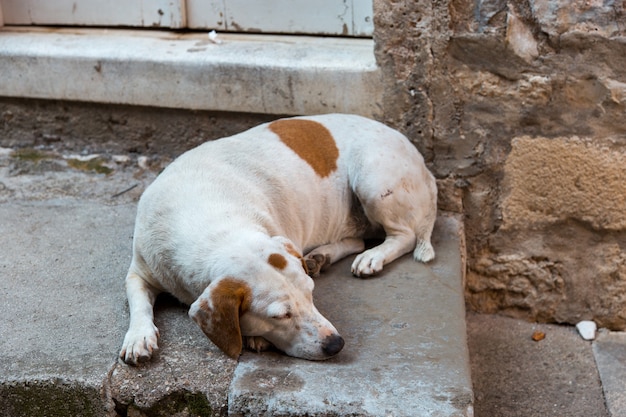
x: 217, y: 313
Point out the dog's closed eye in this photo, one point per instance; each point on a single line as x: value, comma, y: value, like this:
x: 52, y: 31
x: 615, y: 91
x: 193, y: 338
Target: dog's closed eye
x: 280, y: 311
x: 284, y: 316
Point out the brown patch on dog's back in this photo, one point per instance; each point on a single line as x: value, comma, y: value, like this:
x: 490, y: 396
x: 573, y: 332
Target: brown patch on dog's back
x: 311, y: 141
x: 277, y: 260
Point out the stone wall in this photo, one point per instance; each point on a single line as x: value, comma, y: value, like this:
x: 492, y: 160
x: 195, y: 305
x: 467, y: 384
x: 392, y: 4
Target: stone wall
x: 520, y: 109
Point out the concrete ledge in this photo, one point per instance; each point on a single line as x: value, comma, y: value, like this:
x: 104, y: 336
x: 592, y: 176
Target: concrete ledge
x: 63, y: 263
x: 405, y: 354
x: 243, y: 73
x: 64, y: 253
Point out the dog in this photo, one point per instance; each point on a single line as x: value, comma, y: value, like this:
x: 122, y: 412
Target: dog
x: 235, y: 227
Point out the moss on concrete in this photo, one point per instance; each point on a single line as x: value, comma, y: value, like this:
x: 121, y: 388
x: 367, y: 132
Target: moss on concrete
x: 95, y: 165
x: 185, y: 403
x: 50, y: 399
x: 30, y: 154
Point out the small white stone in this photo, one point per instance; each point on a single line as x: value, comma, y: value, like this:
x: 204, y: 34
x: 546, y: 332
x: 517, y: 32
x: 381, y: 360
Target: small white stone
x: 121, y: 159
x: 82, y: 158
x: 587, y: 329
x: 520, y: 38
x: 143, y: 161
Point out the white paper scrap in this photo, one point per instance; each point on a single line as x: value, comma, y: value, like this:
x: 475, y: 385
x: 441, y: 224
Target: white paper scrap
x: 213, y: 37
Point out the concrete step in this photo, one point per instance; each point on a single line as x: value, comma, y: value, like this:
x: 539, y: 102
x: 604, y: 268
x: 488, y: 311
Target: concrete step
x: 609, y: 351
x: 516, y: 376
x: 64, y: 314
x: 243, y: 73
x: 405, y: 353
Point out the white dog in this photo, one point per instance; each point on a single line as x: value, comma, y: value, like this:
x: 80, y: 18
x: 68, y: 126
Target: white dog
x: 225, y: 226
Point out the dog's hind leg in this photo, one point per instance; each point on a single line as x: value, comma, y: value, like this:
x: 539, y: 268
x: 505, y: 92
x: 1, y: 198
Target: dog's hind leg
x: 141, y: 339
x: 424, y: 251
x: 406, y: 208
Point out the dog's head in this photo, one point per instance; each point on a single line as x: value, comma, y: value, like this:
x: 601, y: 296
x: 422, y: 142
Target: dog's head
x: 273, y: 301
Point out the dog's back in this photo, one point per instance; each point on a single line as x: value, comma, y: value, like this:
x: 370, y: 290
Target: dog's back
x: 299, y: 178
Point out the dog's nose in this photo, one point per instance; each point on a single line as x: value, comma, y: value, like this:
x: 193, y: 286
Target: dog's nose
x: 333, y: 344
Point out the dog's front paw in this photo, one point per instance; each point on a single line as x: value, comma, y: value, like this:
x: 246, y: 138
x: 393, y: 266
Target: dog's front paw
x: 368, y: 263
x: 257, y: 343
x: 316, y: 263
x: 139, y: 344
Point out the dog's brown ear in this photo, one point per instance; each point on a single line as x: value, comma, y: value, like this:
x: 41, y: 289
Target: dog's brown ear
x: 217, y: 313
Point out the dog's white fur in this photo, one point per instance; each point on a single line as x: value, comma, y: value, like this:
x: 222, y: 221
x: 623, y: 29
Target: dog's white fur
x: 223, y: 229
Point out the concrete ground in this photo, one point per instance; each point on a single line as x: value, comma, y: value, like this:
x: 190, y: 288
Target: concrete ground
x: 561, y: 375
x: 65, y: 234
x: 65, y: 239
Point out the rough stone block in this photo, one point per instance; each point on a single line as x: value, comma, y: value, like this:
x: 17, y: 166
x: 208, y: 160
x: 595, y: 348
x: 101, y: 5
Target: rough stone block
x: 558, y: 253
x: 552, y: 180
